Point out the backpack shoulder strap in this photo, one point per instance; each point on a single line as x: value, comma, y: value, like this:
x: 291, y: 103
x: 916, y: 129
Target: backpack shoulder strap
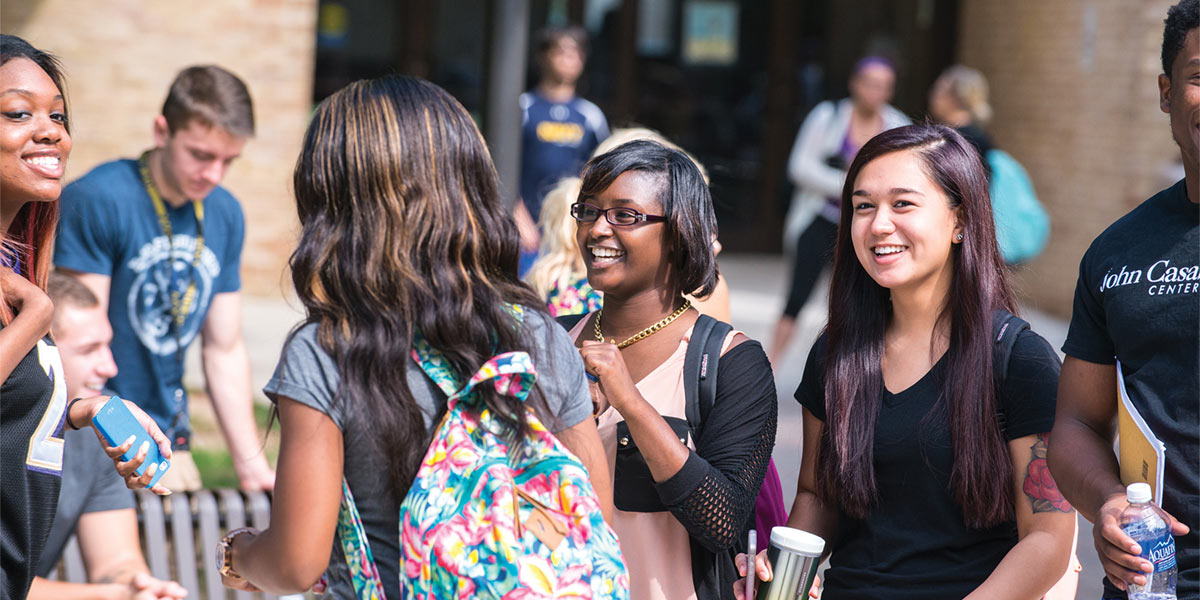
x: 700, y: 370
x: 438, y: 369
x: 1006, y: 327
x: 356, y: 550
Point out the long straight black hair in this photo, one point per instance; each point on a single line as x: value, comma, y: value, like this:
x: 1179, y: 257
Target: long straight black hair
x: 403, y: 230
x: 859, y: 313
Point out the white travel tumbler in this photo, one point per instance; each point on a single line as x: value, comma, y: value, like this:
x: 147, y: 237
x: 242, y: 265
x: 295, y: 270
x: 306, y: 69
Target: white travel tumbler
x: 794, y: 556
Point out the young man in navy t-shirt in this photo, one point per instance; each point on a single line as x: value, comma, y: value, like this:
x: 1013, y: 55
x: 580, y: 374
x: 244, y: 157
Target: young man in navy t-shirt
x: 1138, y: 302
x: 559, y: 129
x: 159, y: 242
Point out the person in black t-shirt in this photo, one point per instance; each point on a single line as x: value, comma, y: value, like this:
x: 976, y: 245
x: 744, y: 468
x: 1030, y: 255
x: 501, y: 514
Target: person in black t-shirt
x: 924, y: 471
x: 1137, y: 304
x: 34, y: 146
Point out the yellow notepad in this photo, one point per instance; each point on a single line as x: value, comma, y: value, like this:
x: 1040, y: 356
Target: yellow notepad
x: 1141, y: 454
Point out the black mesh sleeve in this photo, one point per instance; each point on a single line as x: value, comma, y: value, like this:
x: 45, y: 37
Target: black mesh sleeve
x: 714, y: 493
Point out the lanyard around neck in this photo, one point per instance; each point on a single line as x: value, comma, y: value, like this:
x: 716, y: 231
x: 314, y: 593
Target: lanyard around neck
x: 180, y: 306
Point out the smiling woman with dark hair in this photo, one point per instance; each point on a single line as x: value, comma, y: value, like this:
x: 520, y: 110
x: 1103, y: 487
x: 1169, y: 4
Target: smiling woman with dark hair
x: 645, y: 229
x: 35, y: 143
x: 924, y: 459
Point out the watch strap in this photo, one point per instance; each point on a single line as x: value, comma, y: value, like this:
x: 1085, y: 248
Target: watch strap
x: 225, y: 554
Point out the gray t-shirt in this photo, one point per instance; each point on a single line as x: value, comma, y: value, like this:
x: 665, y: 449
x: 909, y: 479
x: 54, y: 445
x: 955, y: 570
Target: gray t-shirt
x: 89, y: 484
x: 308, y: 375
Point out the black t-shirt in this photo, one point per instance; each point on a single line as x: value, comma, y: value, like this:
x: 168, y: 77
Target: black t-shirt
x: 1138, y: 301
x: 915, y: 542
x: 32, y: 407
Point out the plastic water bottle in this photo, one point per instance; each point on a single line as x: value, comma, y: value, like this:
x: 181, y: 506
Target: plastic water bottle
x: 1145, y: 523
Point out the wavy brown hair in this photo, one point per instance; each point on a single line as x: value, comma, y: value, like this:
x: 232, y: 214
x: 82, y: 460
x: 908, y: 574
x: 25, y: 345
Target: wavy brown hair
x: 859, y: 313
x: 403, y: 230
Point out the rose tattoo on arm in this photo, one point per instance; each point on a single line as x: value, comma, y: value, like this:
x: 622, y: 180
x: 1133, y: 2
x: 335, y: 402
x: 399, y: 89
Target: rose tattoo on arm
x: 1039, y: 484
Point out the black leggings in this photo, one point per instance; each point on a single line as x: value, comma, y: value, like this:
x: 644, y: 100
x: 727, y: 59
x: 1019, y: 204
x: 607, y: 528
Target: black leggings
x: 814, y: 251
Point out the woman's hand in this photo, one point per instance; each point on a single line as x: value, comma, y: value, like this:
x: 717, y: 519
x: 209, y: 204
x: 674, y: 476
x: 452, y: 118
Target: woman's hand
x: 762, y: 568
x: 128, y: 469
x: 25, y: 297
x: 237, y: 547
x: 604, y: 362
x: 34, y: 311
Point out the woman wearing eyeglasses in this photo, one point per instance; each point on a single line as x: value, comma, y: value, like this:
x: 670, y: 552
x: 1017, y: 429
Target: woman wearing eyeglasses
x: 645, y: 224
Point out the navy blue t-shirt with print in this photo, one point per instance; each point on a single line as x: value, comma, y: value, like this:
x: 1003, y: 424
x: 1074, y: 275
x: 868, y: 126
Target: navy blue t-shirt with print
x: 557, y: 138
x: 108, y: 226
x: 1137, y: 301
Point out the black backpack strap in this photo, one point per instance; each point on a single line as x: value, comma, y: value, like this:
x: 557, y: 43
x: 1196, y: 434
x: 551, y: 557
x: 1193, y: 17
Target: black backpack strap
x: 1006, y: 327
x: 700, y: 370
x: 569, y: 321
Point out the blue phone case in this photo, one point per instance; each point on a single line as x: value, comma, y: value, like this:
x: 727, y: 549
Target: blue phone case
x: 116, y: 424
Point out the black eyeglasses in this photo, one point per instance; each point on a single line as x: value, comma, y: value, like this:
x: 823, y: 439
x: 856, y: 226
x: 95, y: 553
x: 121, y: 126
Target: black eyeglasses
x: 621, y: 216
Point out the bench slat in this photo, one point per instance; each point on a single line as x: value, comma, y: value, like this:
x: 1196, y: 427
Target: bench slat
x: 154, y: 534
x: 208, y: 517
x: 184, y: 543
x: 260, y: 517
x: 234, y: 509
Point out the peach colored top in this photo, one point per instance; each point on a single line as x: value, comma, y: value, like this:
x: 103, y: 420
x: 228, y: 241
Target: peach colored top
x: 655, y: 545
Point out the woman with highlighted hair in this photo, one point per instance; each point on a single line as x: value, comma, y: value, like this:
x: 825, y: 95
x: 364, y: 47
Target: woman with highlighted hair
x: 405, y: 247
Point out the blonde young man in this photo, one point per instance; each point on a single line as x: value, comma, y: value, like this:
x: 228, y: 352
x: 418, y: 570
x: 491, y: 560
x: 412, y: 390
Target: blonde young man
x: 94, y: 502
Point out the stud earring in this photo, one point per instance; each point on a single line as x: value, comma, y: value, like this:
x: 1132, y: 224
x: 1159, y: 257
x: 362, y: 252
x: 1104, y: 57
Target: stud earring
x: 958, y: 237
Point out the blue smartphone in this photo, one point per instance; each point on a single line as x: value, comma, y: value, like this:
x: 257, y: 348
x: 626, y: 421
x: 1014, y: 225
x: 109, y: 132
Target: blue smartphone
x: 116, y: 424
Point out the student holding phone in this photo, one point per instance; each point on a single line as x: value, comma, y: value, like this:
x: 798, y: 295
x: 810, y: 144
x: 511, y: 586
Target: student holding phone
x: 34, y: 145
x: 93, y: 503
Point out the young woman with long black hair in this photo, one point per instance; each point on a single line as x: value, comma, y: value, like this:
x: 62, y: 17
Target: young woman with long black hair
x: 924, y: 472
x: 403, y: 230
x: 34, y: 145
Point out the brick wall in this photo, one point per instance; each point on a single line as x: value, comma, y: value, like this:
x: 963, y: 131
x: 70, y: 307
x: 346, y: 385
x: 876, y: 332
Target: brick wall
x: 1073, y: 84
x: 120, y: 58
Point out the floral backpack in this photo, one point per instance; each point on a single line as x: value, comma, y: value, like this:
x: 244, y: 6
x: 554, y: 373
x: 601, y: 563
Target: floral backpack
x: 483, y: 520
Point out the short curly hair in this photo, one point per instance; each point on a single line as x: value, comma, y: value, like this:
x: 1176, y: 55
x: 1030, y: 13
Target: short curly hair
x: 1181, y: 19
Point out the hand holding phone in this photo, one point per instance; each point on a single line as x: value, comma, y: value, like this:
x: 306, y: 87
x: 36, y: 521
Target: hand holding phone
x: 117, y: 425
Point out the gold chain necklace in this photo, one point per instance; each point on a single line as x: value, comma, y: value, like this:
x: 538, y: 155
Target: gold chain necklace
x: 647, y: 332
